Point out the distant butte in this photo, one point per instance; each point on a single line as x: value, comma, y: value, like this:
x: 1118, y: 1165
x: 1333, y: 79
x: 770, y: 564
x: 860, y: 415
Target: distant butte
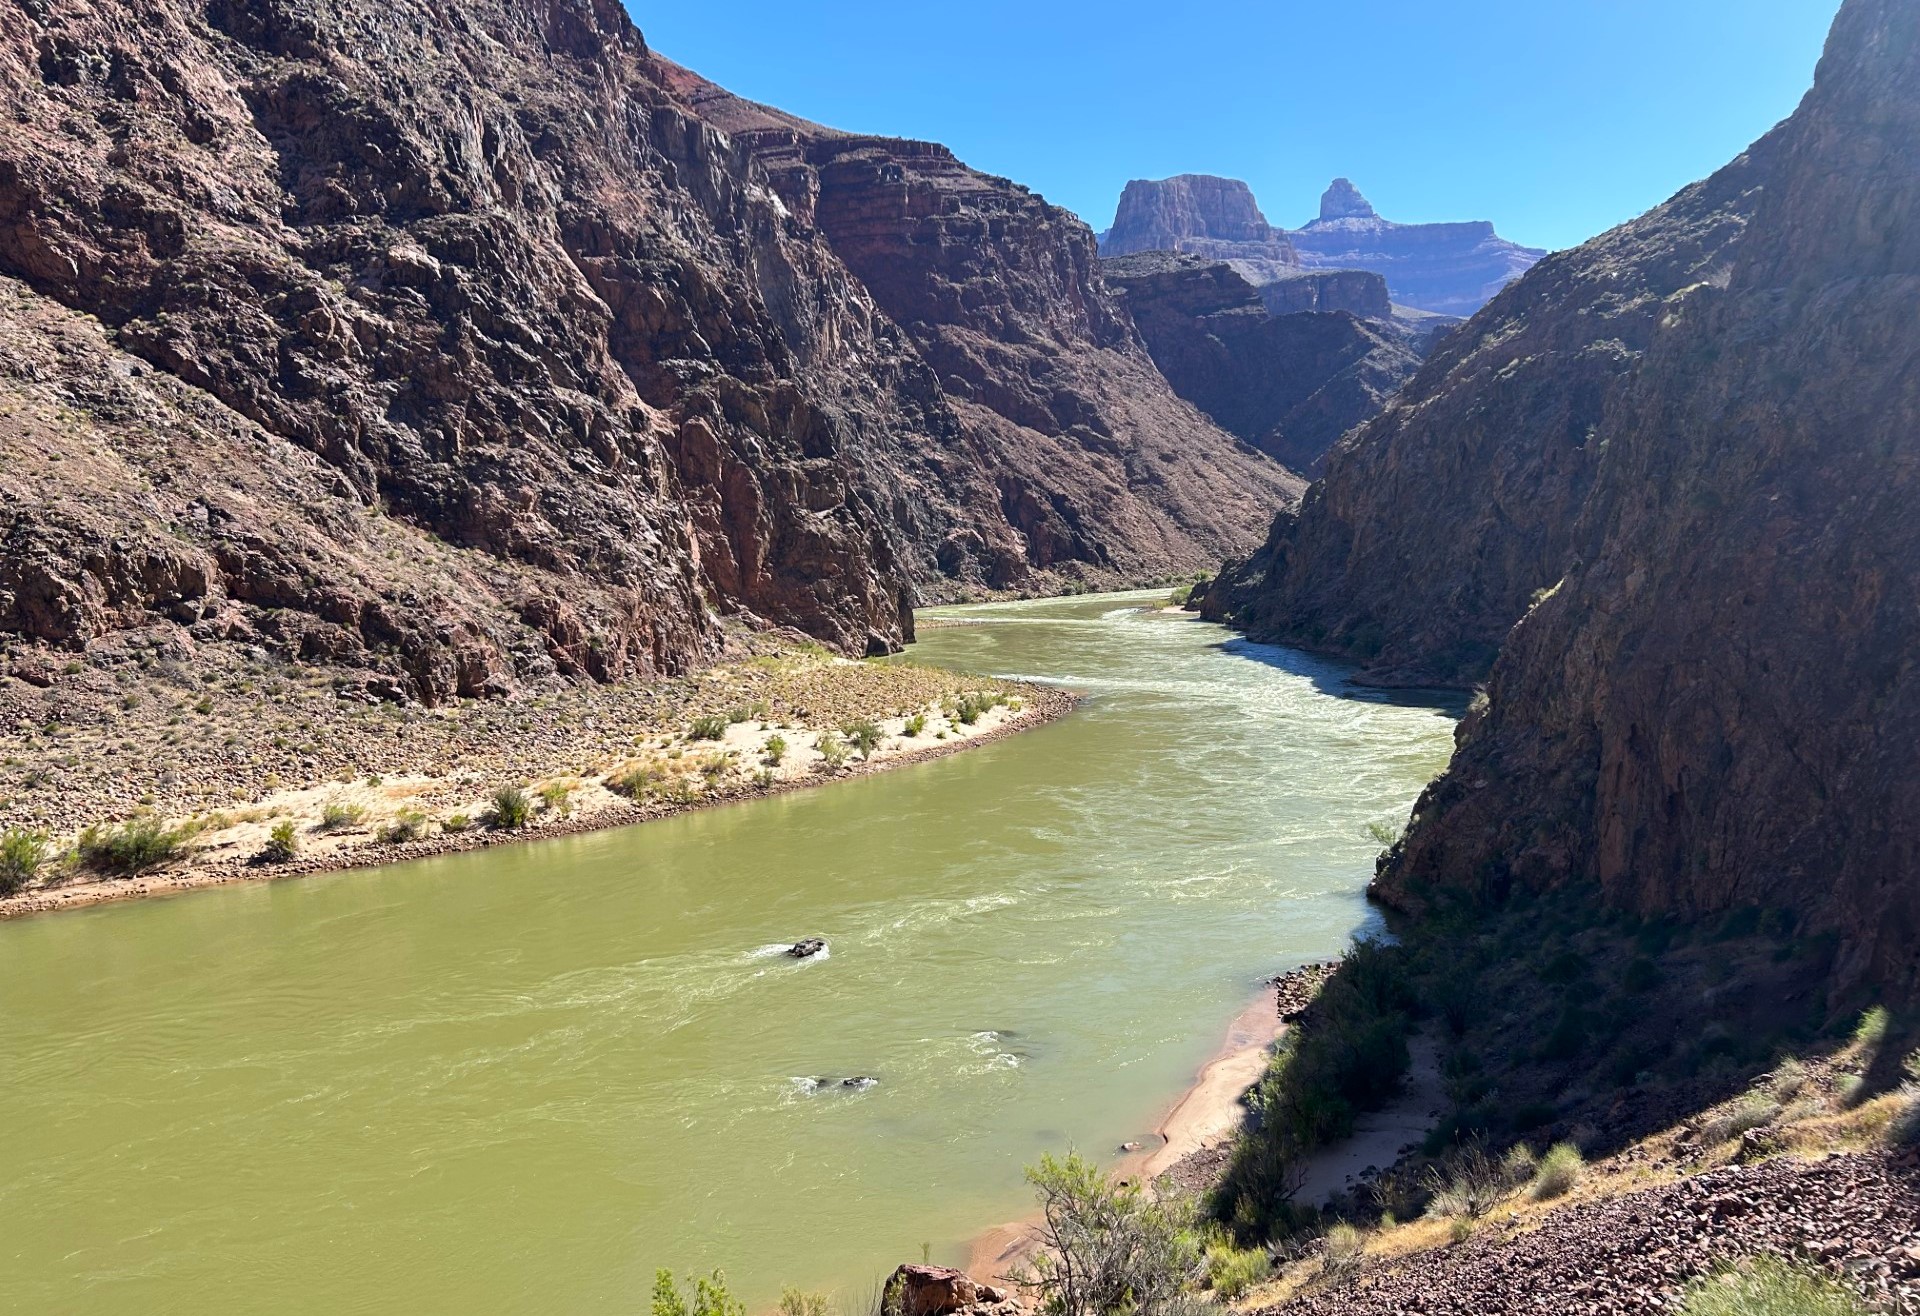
x: 1449, y: 269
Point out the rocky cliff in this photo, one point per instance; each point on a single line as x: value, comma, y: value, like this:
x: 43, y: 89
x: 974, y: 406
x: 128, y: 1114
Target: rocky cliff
x: 1718, y: 706
x: 1289, y: 383
x: 1453, y: 269
x: 1449, y: 269
x: 1098, y: 462
x: 1202, y: 216
x: 452, y: 342
x: 1436, y: 525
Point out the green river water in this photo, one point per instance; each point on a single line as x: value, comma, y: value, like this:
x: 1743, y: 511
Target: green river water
x: 518, y: 1080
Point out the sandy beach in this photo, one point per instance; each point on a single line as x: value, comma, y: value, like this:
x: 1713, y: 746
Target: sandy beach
x: 1204, y: 1117
x: 581, y: 772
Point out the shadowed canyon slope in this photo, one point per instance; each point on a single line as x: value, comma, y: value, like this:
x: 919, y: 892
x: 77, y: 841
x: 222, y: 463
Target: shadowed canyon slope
x: 1437, y: 524
x: 1448, y: 269
x: 1290, y: 382
x: 451, y: 342
x: 1717, y: 707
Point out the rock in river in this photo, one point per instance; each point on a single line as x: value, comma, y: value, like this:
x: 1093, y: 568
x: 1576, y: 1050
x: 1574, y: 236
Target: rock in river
x: 807, y: 949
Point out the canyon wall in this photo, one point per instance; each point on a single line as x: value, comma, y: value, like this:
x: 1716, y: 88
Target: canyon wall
x: 1290, y: 382
x: 450, y: 341
x: 1436, y: 524
x: 1718, y: 707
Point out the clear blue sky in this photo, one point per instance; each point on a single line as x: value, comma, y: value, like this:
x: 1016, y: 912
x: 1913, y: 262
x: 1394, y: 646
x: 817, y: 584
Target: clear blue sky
x: 1554, y: 118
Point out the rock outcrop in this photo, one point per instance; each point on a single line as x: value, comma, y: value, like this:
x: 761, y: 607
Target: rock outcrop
x: 1435, y: 526
x: 1453, y: 269
x: 1449, y: 269
x: 476, y: 291
x: 1202, y: 216
x: 1098, y: 463
x: 1290, y: 383
x: 1718, y: 706
x: 922, y: 1290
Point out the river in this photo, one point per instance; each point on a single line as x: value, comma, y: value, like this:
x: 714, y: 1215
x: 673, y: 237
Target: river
x: 520, y: 1079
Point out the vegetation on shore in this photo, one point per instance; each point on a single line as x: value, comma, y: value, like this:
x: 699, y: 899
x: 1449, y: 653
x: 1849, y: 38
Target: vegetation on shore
x: 402, y: 775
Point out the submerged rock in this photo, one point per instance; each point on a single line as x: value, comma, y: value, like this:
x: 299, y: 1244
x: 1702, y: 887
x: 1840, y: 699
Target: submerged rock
x: 859, y: 1082
x: 807, y: 948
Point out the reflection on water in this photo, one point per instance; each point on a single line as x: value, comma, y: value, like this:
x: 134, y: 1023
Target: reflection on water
x: 520, y: 1079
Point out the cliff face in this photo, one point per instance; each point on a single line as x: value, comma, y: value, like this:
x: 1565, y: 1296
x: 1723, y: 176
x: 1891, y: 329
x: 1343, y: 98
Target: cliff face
x: 483, y: 291
x: 1200, y: 215
x: 1436, y: 524
x: 1096, y: 461
x: 1452, y: 269
x: 1290, y: 383
x: 1448, y: 269
x: 1718, y: 707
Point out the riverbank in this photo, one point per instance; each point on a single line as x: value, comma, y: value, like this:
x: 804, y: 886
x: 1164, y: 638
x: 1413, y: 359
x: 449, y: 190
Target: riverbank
x: 378, y: 784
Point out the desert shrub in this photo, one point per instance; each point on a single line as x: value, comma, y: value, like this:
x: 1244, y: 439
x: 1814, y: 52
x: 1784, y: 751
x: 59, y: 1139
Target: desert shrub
x: 1788, y: 1081
x: 456, y: 822
x: 1641, y: 975
x: 711, y: 1297
x: 1108, y: 1247
x: 140, y: 843
x: 774, y: 750
x: 406, y: 825
x: 795, y: 1303
x: 710, y: 726
x: 833, y: 750
x: 1751, y: 1111
x: 1768, y: 1286
x: 1519, y: 1164
x: 1470, y: 1183
x: 968, y: 708
x: 512, y: 809
x: 637, y: 781
x: 1344, y: 1247
x: 283, y: 843
x: 1231, y: 1271
x: 22, y: 852
x: 557, y: 796
x: 1560, y: 1169
x: 1386, y: 835
x: 340, y: 814
x: 864, y: 735
x: 915, y: 724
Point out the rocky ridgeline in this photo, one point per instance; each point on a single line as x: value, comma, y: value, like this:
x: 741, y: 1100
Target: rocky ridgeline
x: 461, y: 347
x: 1446, y: 269
x: 1288, y: 383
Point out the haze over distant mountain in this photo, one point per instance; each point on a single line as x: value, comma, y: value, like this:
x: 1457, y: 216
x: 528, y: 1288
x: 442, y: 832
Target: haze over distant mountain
x: 1450, y: 269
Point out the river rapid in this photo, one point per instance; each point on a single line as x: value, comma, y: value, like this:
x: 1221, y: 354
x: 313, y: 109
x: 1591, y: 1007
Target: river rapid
x: 520, y: 1079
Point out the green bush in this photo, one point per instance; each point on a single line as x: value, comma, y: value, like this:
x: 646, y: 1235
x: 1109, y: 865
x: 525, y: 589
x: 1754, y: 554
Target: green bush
x: 795, y: 1303
x: 406, y: 825
x: 557, y: 796
x: 833, y: 750
x: 1344, y: 1248
x: 1232, y: 1271
x: 1471, y: 1184
x: 1560, y: 1169
x: 864, y: 735
x: 638, y: 782
x: 339, y: 814
x: 915, y: 724
x: 142, y: 842
x: 1753, y: 1110
x: 283, y: 843
x: 456, y: 822
x: 711, y: 726
x: 1768, y: 1286
x: 22, y: 853
x: 1107, y: 1247
x: 512, y: 809
x: 710, y: 1297
x: 774, y: 750
x: 1347, y: 1057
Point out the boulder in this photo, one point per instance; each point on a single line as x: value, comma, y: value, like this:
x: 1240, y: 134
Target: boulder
x: 807, y: 948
